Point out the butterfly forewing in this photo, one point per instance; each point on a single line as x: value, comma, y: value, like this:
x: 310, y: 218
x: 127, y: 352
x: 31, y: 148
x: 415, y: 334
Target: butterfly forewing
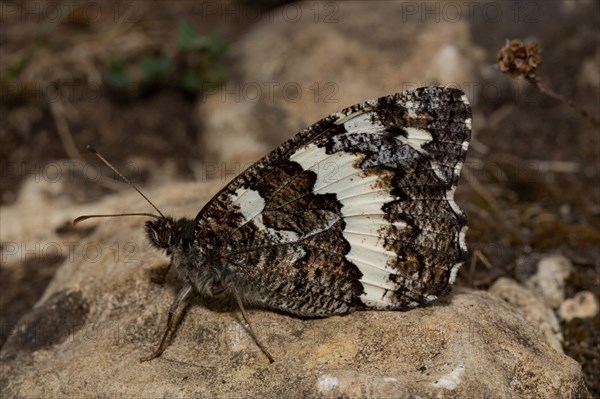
x: 357, y: 211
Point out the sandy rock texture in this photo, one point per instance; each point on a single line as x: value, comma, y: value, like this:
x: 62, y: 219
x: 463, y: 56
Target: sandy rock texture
x: 103, y: 311
x: 532, y: 308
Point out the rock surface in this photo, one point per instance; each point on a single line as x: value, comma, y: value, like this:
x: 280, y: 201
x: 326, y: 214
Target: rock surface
x: 532, y: 307
x: 102, y: 312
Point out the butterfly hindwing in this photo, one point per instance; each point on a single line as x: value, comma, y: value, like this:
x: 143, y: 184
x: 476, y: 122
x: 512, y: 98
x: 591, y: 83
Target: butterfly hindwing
x: 356, y: 211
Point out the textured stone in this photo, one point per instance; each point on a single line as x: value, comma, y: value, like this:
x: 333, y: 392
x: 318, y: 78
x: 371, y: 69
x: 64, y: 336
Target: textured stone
x: 469, y: 345
x: 532, y: 307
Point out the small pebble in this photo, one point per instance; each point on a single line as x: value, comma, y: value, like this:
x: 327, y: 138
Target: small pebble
x: 582, y: 305
x: 549, y: 280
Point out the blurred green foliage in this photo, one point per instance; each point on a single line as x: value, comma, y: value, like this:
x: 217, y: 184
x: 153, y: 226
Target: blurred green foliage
x: 197, y: 65
x: 117, y: 76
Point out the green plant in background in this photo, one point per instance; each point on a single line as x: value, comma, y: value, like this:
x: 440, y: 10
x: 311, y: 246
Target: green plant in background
x: 188, y: 39
x: 154, y: 69
x: 117, y: 76
x: 198, y: 65
x: 203, y: 53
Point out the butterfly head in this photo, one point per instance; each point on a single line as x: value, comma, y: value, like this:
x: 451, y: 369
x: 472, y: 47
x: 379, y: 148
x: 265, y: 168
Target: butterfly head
x: 166, y: 232
x: 162, y: 232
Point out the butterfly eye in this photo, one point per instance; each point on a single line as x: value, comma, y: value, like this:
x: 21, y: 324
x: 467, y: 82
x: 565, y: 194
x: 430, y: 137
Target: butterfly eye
x: 166, y: 236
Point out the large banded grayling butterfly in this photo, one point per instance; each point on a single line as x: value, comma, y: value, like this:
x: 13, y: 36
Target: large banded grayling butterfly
x: 354, y: 212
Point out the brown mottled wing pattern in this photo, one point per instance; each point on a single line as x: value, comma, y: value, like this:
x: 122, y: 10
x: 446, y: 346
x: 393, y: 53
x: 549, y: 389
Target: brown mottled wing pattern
x: 356, y: 211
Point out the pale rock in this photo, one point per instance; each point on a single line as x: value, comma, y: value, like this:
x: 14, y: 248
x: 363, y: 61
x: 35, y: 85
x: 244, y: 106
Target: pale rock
x: 100, y: 314
x: 583, y: 304
x: 549, y: 279
x: 532, y: 307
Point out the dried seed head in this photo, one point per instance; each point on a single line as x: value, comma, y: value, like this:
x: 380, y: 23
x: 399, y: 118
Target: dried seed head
x: 518, y: 59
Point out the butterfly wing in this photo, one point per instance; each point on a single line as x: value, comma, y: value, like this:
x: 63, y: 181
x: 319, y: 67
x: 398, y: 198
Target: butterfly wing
x: 356, y: 211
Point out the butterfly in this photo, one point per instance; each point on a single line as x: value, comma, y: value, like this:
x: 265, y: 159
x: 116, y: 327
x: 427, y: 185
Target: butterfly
x: 355, y: 212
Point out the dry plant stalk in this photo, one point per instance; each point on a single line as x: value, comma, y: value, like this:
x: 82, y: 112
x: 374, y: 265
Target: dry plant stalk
x: 520, y: 60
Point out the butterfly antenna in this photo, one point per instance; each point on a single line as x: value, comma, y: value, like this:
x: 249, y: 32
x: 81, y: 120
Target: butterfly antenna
x: 85, y: 217
x: 126, y: 180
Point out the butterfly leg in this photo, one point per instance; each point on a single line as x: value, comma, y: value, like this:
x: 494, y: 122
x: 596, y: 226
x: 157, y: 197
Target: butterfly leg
x: 181, y: 296
x: 231, y: 288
